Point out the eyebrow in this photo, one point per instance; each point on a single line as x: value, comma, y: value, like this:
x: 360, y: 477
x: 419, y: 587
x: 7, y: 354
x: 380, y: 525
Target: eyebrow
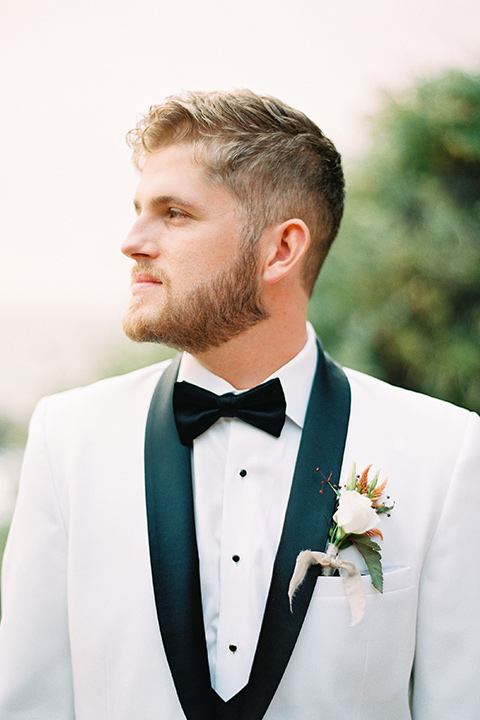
x: 163, y: 200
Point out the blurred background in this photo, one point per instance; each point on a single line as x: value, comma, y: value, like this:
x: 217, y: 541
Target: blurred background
x: 395, y: 85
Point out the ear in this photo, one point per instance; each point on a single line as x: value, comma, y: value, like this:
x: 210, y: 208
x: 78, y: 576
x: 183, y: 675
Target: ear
x: 286, y: 244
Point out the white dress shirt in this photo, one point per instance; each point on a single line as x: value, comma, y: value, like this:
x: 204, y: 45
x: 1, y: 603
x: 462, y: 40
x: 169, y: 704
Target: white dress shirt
x: 241, y: 479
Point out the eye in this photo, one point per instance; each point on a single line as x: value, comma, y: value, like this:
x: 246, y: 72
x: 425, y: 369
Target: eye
x: 174, y: 214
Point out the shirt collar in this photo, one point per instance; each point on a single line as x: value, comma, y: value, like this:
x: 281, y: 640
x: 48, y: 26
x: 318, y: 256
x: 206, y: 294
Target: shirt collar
x: 296, y: 378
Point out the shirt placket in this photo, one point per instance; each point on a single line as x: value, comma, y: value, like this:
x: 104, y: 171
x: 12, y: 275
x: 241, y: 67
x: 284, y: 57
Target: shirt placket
x: 237, y: 627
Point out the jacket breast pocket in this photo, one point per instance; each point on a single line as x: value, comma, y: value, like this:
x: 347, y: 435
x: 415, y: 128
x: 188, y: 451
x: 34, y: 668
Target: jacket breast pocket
x: 394, y: 580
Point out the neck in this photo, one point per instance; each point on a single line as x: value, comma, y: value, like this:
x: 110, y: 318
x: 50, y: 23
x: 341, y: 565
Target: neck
x: 248, y: 359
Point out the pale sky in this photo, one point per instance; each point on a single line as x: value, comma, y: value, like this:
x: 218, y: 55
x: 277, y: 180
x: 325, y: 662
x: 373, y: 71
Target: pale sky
x: 74, y: 78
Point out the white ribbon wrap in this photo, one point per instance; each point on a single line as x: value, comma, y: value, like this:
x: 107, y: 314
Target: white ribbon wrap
x: 330, y: 561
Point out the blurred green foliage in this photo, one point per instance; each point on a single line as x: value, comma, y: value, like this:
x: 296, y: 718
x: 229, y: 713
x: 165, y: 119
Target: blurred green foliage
x: 3, y: 540
x: 132, y: 356
x: 12, y: 436
x: 11, y: 433
x: 400, y: 295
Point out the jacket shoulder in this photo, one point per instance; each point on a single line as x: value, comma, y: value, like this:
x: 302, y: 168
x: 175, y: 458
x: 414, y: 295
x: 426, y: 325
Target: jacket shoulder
x: 409, y: 419
x: 110, y: 397
x: 367, y: 387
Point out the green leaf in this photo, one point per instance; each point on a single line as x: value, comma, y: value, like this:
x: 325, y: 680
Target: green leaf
x: 373, y: 484
x: 370, y: 551
x: 352, y: 477
x: 344, y: 542
x: 384, y: 509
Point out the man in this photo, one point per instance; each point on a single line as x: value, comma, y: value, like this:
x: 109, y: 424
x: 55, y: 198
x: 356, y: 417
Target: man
x: 157, y: 525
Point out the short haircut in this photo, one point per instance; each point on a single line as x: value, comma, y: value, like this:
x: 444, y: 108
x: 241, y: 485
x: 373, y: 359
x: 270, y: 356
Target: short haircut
x: 273, y: 159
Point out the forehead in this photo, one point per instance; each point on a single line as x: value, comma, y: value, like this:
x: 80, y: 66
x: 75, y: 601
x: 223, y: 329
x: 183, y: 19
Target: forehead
x: 180, y: 155
x: 174, y: 171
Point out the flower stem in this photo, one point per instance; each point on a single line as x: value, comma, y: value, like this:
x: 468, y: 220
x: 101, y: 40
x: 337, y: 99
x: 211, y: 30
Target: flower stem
x: 332, y: 552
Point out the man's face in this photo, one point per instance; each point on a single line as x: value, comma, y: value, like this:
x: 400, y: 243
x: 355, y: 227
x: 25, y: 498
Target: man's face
x: 195, y: 285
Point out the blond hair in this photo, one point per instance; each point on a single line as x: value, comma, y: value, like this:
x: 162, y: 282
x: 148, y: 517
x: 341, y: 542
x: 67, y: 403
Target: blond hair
x: 273, y: 159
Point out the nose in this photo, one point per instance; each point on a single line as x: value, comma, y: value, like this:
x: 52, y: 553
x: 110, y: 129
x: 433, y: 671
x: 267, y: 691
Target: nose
x: 139, y: 243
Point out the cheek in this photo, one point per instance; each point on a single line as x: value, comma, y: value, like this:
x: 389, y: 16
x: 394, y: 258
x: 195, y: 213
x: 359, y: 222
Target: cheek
x: 198, y: 264
x: 201, y: 257
x: 185, y: 273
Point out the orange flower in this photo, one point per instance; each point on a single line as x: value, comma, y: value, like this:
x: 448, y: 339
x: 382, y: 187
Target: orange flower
x: 362, y: 483
x: 373, y: 532
x: 377, y: 494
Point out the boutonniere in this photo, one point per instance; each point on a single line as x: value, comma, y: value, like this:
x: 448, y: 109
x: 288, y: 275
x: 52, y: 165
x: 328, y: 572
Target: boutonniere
x: 355, y: 522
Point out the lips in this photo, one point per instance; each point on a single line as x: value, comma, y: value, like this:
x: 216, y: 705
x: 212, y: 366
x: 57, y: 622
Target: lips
x: 145, y: 278
x: 144, y: 281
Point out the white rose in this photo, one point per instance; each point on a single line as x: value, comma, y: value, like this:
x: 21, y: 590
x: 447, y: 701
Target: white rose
x: 355, y: 514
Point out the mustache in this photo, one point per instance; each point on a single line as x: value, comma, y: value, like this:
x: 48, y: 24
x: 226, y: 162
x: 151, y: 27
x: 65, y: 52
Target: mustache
x: 143, y: 267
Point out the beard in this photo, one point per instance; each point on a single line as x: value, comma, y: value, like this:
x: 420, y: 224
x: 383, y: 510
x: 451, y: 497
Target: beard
x: 205, y: 317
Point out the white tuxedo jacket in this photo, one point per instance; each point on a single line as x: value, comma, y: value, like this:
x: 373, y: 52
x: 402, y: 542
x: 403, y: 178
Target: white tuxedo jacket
x: 80, y: 635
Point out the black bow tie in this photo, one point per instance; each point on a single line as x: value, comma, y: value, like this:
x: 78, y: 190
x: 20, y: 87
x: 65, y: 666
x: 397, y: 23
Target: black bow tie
x: 197, y: 409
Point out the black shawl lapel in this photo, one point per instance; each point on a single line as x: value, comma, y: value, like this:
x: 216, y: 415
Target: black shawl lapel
x: 174, y: 554
x: 307, y: 521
